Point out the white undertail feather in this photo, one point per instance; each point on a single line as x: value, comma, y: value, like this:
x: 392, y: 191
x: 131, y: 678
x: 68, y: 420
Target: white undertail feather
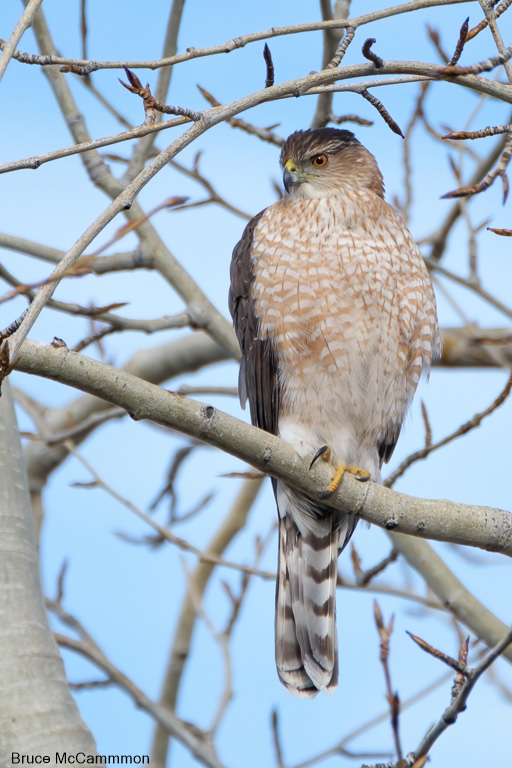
x: 306, y: 636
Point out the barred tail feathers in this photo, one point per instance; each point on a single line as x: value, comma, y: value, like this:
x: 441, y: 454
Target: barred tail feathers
x: 306, y: 635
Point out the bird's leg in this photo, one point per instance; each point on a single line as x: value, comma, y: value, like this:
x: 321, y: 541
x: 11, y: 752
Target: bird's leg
x: 360, y: 474
x: 338, y: 475
x: 325, y: 453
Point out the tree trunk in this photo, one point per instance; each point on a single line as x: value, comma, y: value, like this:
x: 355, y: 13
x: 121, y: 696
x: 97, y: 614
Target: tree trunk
x: 38, y: 715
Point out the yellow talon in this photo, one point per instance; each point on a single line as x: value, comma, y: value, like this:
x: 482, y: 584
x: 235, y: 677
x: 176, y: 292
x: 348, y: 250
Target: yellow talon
x: 361, y: 474
x: 338, y: 475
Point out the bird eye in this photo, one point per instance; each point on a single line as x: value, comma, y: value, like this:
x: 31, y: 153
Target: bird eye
x: 320, y: 161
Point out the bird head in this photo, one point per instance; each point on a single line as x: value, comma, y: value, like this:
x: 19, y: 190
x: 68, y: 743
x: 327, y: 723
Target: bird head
x: 319, y: 163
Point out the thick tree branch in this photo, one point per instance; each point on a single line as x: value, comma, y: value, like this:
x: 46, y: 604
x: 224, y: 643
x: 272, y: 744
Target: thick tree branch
x: 156, y: 365
x: 483, y: 527
x: 450, y: 590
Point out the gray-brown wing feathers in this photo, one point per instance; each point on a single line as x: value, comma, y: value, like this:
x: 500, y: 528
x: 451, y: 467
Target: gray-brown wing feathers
x: 258, y: 379
x: 388, y: 443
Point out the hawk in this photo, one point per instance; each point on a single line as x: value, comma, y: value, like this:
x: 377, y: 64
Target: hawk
x: 336, y: 318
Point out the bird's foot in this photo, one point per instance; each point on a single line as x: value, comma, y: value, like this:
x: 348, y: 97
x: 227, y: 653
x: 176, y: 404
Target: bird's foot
x: 360, y: 474
x: 325, y: 453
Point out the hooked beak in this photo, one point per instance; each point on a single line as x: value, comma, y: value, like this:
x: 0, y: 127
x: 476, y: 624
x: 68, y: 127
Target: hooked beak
x: 290, y: 176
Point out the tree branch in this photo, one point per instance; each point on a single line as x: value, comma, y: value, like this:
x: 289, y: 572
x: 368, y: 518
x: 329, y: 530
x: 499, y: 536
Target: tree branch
x: 236, y: 43
x: 450, y: 590
x: 37, y: 710
x: 25, y: 21
x: 199, y: 580
x: 483, y: 527
x: 451, y: 713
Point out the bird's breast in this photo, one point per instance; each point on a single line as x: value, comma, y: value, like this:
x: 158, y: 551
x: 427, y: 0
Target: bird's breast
x: 323, y: 282
x: 325, y: 291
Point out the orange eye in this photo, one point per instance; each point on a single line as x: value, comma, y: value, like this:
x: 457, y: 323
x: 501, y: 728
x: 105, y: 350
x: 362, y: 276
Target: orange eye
x: 320, y: 161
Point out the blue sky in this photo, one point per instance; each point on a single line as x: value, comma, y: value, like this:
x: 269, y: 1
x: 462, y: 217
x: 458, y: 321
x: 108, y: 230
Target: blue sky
x: 128, y: 596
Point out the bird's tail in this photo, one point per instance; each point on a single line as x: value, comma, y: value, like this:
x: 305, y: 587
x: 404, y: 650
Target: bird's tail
x: 306, y: 636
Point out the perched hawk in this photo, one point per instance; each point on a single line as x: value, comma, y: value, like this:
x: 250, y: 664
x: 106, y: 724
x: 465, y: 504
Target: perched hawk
x: 336, y: 319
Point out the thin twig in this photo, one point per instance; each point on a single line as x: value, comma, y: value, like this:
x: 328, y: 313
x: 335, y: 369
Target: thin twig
x: 85, y: 426
x: 502, y: 232
x: 193, y: 739
x: 490, y: 15
x: 143, y: 148
x: 503, y: 6
x: 462, y: 658
x: 455, y: 664
x: 269, y: 79
x: 489, y: 131
x: 369, y: 54
x: 116, y: 323
x: 276, y: 740
x: 475, y: 189
x: 83, y: 28
x: 13, y: 327
x: 363, y: 578
x: 9, y: 47
x: 200, y: 578
x: 349, y: 118
x: 475, y: 69
x: 462, y: 430
x: 165, y: 533
x: 435, y: 39
x: 214, y: 195
x: 32, y: 163
x: 186, y: 389
x: 87, y: 685
x: 426, y: 422
x: 457, y: 706
x: 150, y: 103
x: 392, y: 696
x: 473, y: 277
x: 342, y: 48
x: 265, y: 134
x: 418, y: 113
x: 460, y: 43
x: 485, y: 295
x: 332, y: 38
x: 381, y: 109
x: 180, y: 456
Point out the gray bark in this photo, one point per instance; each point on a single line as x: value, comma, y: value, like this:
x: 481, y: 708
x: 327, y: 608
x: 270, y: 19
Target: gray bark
x: 38, y: 715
